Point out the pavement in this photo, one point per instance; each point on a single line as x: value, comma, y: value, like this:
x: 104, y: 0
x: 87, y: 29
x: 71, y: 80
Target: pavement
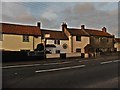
x: 42, y: 61
x: 99, y: 72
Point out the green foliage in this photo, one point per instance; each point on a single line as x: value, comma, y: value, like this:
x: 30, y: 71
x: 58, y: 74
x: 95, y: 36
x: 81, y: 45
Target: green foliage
x: 40, y: 47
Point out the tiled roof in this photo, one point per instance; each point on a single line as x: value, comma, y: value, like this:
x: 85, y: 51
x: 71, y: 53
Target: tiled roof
x: 54, y: 34
x: 117, y: 40
x: 88, y: 32
x: 92, y: 32
x: 76, y: 32
x: 20, y: 29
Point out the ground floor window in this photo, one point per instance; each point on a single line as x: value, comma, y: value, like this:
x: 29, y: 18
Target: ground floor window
x: 78, y: 50
x: 115, y: 49
x: 57, y: 51
x: 78, y: 38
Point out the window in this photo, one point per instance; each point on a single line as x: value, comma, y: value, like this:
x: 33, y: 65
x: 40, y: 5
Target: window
x: 78, y: 50
x: 46, y: 35
x: 97, y: 39
x: 1, y: 37
x: 107, y: 39
x: 110, y: 40
x: 78, y: 38
x: 104, y: 39
x: 57, y: 51
x: 57, y: 42
x: 25, y: 38
x: 65, y: 46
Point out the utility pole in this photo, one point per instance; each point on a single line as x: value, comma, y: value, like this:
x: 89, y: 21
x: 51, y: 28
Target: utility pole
x: 44, y: 48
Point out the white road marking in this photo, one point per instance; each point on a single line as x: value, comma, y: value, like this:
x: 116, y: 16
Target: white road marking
x: 109, y: 62
x: 116, y: 61
x: 18, y: 66
x: 106, y: 62
x: 65, y: 62
x: 57, y: 69
x: 50, y: 63
x: 55, y: 63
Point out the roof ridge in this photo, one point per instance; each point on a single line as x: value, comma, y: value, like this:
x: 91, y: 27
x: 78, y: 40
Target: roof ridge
x: 50, y: 30
x: 18, y: 24
x: 74, y: 28
x: 94, y: 29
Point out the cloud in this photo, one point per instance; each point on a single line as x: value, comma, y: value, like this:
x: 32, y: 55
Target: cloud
x: 49, y: 14
x: 0, y: 12
x: 60, y: 0
x: 75, y: 14
x: 16, y: 12
x: 93, y: 15
x: 83, y: 8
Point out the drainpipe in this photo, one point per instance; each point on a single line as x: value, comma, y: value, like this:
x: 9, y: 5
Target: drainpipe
x: 71, y: 43
x: 33, y: 43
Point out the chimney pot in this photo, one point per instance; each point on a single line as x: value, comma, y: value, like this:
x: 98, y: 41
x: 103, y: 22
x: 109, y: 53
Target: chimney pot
x: 38, y: 24
x: 104, y: 29
x: 64, y: 25
x: 82, y: 26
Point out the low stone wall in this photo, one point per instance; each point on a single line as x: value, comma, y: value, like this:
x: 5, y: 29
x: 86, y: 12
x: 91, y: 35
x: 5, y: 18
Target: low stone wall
x: 68, y: 55
x: 52, y: 55
x: 86, y: 55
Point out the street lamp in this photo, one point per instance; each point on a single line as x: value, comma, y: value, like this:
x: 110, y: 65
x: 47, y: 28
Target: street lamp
x: 45, y: 37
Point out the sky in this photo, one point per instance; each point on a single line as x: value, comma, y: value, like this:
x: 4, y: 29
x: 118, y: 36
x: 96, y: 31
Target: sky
x: 51, y: 14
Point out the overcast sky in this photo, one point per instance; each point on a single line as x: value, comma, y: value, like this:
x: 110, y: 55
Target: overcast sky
x: 52, y: 14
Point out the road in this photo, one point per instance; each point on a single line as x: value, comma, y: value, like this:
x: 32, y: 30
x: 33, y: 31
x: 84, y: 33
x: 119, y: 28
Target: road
x: 89, y: 73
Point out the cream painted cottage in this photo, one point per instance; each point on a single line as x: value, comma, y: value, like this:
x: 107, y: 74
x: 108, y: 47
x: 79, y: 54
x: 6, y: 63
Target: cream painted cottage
x: 117, y: 44
x: 88, y: 41
x: 57, y: 42
x: 15, y: 37
x: 72, y: 41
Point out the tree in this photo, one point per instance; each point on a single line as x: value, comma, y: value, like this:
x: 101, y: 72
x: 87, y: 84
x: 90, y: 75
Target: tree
x: 40, y: 47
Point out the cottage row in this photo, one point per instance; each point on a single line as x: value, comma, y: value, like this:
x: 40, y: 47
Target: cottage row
x: 15, y: 37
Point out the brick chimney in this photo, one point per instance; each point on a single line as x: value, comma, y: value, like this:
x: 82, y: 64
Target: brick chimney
x: 39, y: 24
x: 82, y: 26
x: 104, y: 29
x: 64, y: 25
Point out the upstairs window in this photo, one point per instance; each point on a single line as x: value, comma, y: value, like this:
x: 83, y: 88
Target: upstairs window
x: 78, y: 38
x: 57, y: 42
x: 25, y: 38
x: 97, y: 39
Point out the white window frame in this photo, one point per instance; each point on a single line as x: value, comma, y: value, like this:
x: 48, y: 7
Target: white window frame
x: 25, y: 38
